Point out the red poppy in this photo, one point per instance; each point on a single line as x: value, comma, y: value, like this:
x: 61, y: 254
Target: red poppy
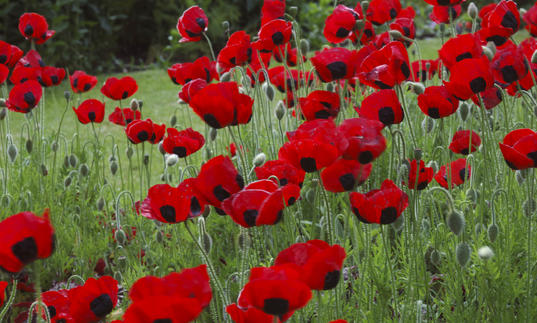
x: 24, y: 97
x: 274, y: 33
x: 82, y: 82
x: 35, y: 27
x: 323, y: 130
x: 94, y: 300
x: 437, y: 102
x: 58, y: 305
x: 519, y: 149
x: 344, y: 175
x: 308, y: 154
x: 22, y: 74
x: 320, y: 105
x: 123, y: 117
x: 244, y: 206
x: 339, y: 321
x: 51, y: 76
x: 339, y: 25
x: 500, y: 22
x: 285, y: 80
x: 470, y: 76
x: 406, y: 27
x: 3, y: 286
x: 290, y: 54
x: 217, y: 180
x: 9, y: 54
x: 382, y: 206
x: 284, y: 171
x: 221, y: 105
x: 192, y: 24
x: 365, y: 138
x: 367, y: 33
x: 90, y: 110
x: 183, y: 73
x: 460, y: 48
x: 237, y: 52
x: 320, y: 264
x: 4, y: 72
x: 509, y: 64
x: 460, y: 172
x: 31, y: 59
x: 419, y: 178
x: 491, y: 97
x: 168, y: 204
x: 276, y: 290
x: 249, y: 315
x: 386, y: 67
x: 334, y: 64
x: 530, y: 18
x: 176, y: 309
x: 272, y: 9
x: 461, y: 141
x: 197, y: 203
x: 183, y: 143
x: 191, y: 88
x: 144, y: 130
x: 445, y: 14
x: 25, y: 237
x: 382, y: 11
x: 119, y: 89
x: 383, y: 106
x: 259, y: 61
x: 424, y: 70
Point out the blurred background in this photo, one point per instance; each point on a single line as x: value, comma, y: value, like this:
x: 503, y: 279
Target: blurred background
x: 107, y: 36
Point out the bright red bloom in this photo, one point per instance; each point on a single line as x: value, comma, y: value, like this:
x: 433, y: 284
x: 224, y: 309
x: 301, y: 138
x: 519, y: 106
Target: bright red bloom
x: 386, y: 67
x: 272, y: 9
x: 35, y: 27
x: 365, y: 138
x: 445, y: 14
x: 530, y: 18
x: 22, y: 74
x: 232, y: 148
x: 250, y: 315
x: 119, y: 89
x: 460, y: 143
x: 344, y: 175
x: 308, y: 154
x: 191, y: 88
x: 383, y: 106
x: 284, y: 171
x: 460, y: 172
x: 183, y: 73
x: 50, y: 76
x: 4, y: 72
x: 382, y: 11
x: 460, y: 48
x: 500, y: 22
x: 24, y: 97
x: 123, y: 117
x: 3, y: 286
x: 437, y: 102
x: 320, y: 105
x: 285, y: 80
x: 9, y: 54
x: 335, y: 64
x: 237, y: 52
x: 340, y: 24
x: 419, y: 177
x: 424, y: 70
x: 176, y: 309
x: 192, y: 24
x: 25, y: 237
x: 382, y: 206
x: 90, y: 110
x: 469, y: 77
x: 221, y: 105
x: 82, y: 82
x: 168, y: 204
x: 292, y: 55
x: 183, y: 143
x: 145, y: 130
x: 519, y: 149
x: 509, y: 64
x: 491, y: 97
x: 274, y: 33
x: 94, y: 300
x: 31, y: 59
x: 58, y: 305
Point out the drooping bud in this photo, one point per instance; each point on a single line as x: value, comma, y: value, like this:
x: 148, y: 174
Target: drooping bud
x: 171, y: 160
x: 427, y: 125
x: 488, y: 53
x: 293, y: 11
x: 146, y: 159
x: 418, y: 154
x: 472, y: 11
x: 100, y: 204
x: 67, y: 95
x: 472, y: 195
x: 462, y: 253
x: 73, y: 160
x: 417, y: 87
x: 260, y: 159
x: 173, y: 121
x: 212, y: 134
x: 395, y: 34
x: 54, y: 146
x: 225, y: 77
x: 464, y: 110
x: 280, y: 110
x: 129, y: 151
x: 492, y: 232
x: 3, y: 112
x: 435, y: 257
x: 67, y: 182
x: 120, y: 236
x: 304, y: 46
x: 225, y: 24
x: 134, y: 105
x: 44, y: 170
x: 12, y: 152
x: 456, y: 222
x: 269, y: 90
x: 113, y: 167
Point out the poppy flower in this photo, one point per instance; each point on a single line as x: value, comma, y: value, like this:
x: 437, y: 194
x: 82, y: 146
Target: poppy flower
x: 31, y: 59
x: 9, y: 54
x: 3, y: 286
x: 419, y: 178
x: 344, y: 175
x: 436, y: 102
x: 168, y: 204
x: 276, y: 290
x: 460, y: 48
x: 221, y: 105
x: 24, y: 97
x: 367, y: 32
x: 51, y: 76
x: 406, y: 27
x: 274, y: 33
x: 123, y: 117
x: 509, y: 64
x: 469, y: 77
x: 424, y: 70
x: 249, y: 315
x: 530, y: 18
x: 285, y: 80
x: 365, y: 138
x: 320, y: 105
x: 382, y: 11
x: 322, y: 130
x: 491, y: 97
x: 191, y: 88
x: 340, y: 24
x: 519, y: 149
x: 244, y: 206
x: 197, y: 203
x: 382, y: 206
x: 82, y: 82
x: 320, y: 264
x: 445, y: 14
x: 290, y: 54
x: 271, y: 10
x: 383, y: 106
x: 163, y: 309
x: 4, y: 72
x: 386, y: 67
x: 22, y: 74
x: 232, y: 148
x: 90, y: 110
x: 25, y: 237
x: 237, y: 52
x: 218, y: 180
x: 183, y: 143
x: 308, y: 155
x: 459, y: 170
x: 461, y: 141
x: 58, y: 305
x: 334, y: 64
x: 192, y: 24
x: 144, y: 130
x: 94, y: 300
x: 201, y: 68
x: 284, y: 171
x: 119, y: 89
x: 35, y: 27
x: 503, y: 16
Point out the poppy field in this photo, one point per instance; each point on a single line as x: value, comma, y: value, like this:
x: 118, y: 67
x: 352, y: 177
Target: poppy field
x: 379, y: 178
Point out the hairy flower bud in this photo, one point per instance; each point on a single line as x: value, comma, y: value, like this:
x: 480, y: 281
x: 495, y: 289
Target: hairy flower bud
x: 462, y: 253
x: 456, y: 222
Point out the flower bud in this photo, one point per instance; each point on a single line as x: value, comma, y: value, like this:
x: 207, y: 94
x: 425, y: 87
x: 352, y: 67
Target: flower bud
x: 206, y: 242
x: 260, y: 159
x: 73, y: 160
x: 134, y: 105
x: 269, y: 90
x: 66, y: 161
x: 280, y: 110
x: 464, y: 110
x: 113, y: 167
x: 44, y: 170
x: 479, y: 227
x: 360, y: 23
x: 12, y: 152
x: 417, y: 87
x: 129, y: 151
x: 171, y: 160
x: 146, y: 159
x: 159, y: 236
x: 3, y: 112
x: 395, y: 34
x: 67, y: 182
x: 173, y: 121
x: 226, y: 77
x: 472, y: 10
x: 304, y: 46
x: 67, y: 95
x: 427, y: 125
x: 212, y: 134
x: 293, y: 11
x: 472, y: 195
x: 462, y: 253
x: 492, y: 232
x: 208, y: 154
x: 418, y: 154
x: 365, y: 6
x: 488, y: 53
x: 54, y: 146
x: 120, y: 236
x: 435, y: 257
x: 100, y: 204
x: 485, y: 253
x: 225, y: 24
x: 456, y: 222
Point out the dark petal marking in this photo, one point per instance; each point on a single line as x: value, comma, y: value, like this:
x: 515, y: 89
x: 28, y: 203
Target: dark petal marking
x: 422, y: 186
x: 342, y: 32
x: 283, y: 181
x: 478, y: 85
x: 291, y: 200
x: 509, y: 74
x: 195, y: 207
x: 125, y: 95
x: 277, y: 38
x: 331, y: 279
x: 388, y: 215
x: 219, y: 211
x: 365, y: 157
x: 249, y: 217
x: 497, y: 40
x: 462, y: 174
x: 29, y: 98
x: 3, y: 59
x: 92, y: 116
x: 308, y: 164
x: 393, y: 13
x: 163, y: 321
x: 406, y: 31
x: 207, y: 75
x: 55, y: 80
x: 443, y: 2
x: 28, y: 30
x: 368, y: 33
x: 322, y: 114
x: 25, y: 250
x: 433, y: 113
x: 405, y: 69
x: 220, y: 193
x: 533, y: 156
x: 201, y: 22
x: 179, y: 151
x: 509, y: 21
x: 337, y: 69
x: 357, y: 213
x: 279, y: 217
x: 102, y: 305
x: 51, y: 311
x: 347, y: 181
x: 168, y: 213
x: 276, y: 306
x: 462, y: 56
x: 465, y: 151
x: 142, y: 135
x: 386, y: 115
x: 211, y: 121
x: 381, y: 85
x: 239, y: 180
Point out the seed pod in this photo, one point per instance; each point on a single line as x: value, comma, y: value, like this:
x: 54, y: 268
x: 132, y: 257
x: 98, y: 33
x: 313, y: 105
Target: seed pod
x: 3, y: 112
x: 304, y: 45
x: 73, y: 160
x: 456, y: 222
x: 67, y: 182
x: 472, y: 10
x: 427, y: 125
x: 134, y: 105
x: 129, y: 151
x: 44, y: 170
x: 100, y: 204
x: 462, y: 253
x: 113, y: 168
x: 269, y: 90
x: 212, y: 134
x: 171, y: 160
x: 485, y: 253
x: 146, y: 159
x: 12, y: 152
x: 120, y: 236
x: 54, y: 146
x: 492, y: 232
x: 280, y: 110
x: 260, y: 159
x: 84, y: 170
x: 435, y: 257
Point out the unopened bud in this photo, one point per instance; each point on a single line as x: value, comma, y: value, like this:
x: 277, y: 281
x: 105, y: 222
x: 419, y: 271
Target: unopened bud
x: 44, y: 170
x: 293, y: 11
x: 146, y: 159
x: 269, y: 91
x: 492, y: 232
x: 435, y: 257
x: 488, y: 53
x: 417, y: 87
x: 54, y: 146
x: 66, y: 162
x: 479, y: 227
x: 471, y: 195
x: 360, y: 23
x: 134, y: 105
x: 418, y: 154
x: 67, y: 95
x: 212, y: 134
x: 464, y: 110
x: 172, y: 160
x: 427, y: 125
x: 225, y: 24
x: 159, y: 236
x: 225, y: 77
x: 100, y: 204
x: 3, y: 112
x: 395, y: 34
x: 67, y: 182
x: 140, y: 104
x: 485, y: 253
x: 161, y: 148
x: 304, y: 46
x: 365, y: 6
x: 129, y: 151
x: 113, y: 167
x: 462, y: 253
x: 120, y: 236
x: 280, y: 110
x: 260, y: 159
x: 29, y: 146
x: 12, y: 152
x: 73, y: 160
x: 456, y: 222
x: 492, y: 47
x: 206, y: 242
x: 173, y: 121
x: 472, y: 10
x: 434, y: 165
